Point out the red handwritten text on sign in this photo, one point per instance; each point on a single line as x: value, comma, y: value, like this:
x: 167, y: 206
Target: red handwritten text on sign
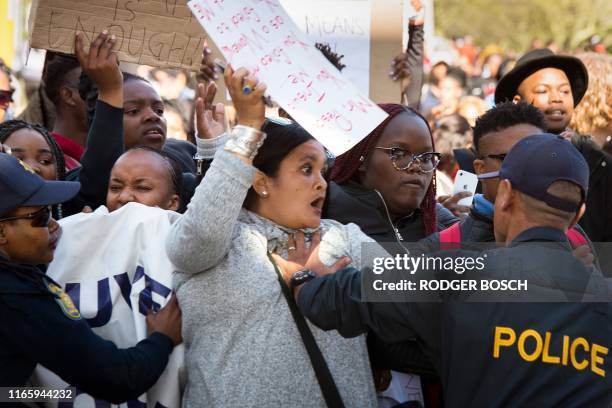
x: 260, y: 36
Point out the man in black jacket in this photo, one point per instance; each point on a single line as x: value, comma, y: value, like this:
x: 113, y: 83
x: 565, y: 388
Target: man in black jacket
x: 555, y: 84
x: 40, y: 323
x: 501, y: 354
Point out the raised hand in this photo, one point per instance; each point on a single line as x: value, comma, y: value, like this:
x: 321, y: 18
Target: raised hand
x: 250, y: 107
x: 399, y: 67
x: 208, y: 71
x: 452, y: 203
x: 210, y: 119
x: 102, y: 66
x: 419, y: 17
x: 299, y: 256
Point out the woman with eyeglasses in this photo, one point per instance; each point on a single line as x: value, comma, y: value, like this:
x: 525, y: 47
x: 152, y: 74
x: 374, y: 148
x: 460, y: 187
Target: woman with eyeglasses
x: 385, y: 184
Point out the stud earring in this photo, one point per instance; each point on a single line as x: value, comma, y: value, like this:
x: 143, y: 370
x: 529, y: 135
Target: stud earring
x: 361, y: 159
x: 264, y: 194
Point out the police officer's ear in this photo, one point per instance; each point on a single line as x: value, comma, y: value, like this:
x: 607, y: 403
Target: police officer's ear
x: 505, y: 194
x: 578, y: 216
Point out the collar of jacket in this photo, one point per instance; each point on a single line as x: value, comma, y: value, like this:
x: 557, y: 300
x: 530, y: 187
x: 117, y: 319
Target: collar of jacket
x: 351, y: 202
x: 19, y: 274
x: 540, y: 234
x: 483, y: 207
x: 276, y: 236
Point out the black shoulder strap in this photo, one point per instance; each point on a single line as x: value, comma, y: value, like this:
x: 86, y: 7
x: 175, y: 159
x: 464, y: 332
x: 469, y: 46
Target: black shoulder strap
x: 324, y: 376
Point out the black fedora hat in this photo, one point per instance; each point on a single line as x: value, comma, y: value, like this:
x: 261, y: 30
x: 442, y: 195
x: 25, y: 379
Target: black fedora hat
x: 538, y: 59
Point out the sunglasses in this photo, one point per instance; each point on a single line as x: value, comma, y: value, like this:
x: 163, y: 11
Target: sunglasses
x: 499, y: 157
x: 40, y: 218
x: 6, y: 97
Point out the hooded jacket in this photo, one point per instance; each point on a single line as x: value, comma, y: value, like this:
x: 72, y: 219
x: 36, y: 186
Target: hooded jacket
x: 351, y: 202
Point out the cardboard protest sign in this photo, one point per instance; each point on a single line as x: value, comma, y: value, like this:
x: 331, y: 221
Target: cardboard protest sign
x: 260, y: 36
x: 115, y: 269
x: 151, y: 32
x: 386, y: 28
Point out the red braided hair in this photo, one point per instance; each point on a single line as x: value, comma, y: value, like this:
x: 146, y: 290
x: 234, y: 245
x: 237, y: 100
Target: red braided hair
x: 346, y: 165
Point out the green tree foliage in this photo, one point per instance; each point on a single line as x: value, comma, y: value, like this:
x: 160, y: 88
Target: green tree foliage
x: 514, y: 24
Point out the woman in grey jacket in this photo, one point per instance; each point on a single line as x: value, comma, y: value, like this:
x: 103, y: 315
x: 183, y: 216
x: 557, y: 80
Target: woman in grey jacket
x: 242, y: 344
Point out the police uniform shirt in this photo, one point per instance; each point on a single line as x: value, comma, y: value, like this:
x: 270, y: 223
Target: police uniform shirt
x: 490, y: 354
x: 40, y: 324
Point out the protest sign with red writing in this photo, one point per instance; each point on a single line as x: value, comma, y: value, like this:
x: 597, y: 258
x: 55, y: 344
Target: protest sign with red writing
x: 260, y: 36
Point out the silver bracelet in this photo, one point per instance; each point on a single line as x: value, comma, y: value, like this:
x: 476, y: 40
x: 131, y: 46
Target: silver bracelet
x: 245, y: 141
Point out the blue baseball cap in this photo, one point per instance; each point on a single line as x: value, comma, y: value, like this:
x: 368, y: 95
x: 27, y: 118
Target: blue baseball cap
x: 20, y: 186
x: 537, y: 161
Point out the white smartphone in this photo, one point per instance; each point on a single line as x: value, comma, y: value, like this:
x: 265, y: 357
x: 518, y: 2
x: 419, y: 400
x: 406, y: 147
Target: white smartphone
x: 465, y: 181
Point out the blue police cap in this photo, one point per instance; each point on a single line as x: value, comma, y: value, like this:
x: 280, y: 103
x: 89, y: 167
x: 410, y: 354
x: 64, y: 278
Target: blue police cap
x: 21, y: 187
x: 537, y: 161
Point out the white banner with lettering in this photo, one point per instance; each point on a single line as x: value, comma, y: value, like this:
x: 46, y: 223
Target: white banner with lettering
x: 260, y: 36
x: 114, y: 267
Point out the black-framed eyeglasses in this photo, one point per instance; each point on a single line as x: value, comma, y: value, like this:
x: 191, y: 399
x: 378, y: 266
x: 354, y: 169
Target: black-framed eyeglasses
x: 402, y: 159
x: 40, y: 218
x: 499, y: 157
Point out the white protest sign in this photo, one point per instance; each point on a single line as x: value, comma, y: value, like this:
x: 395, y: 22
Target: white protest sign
x: 344, y: 25
x: 114, y: 267
x: 260, y: 36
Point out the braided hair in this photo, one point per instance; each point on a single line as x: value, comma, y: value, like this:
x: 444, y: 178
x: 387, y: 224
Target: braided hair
x: 9, y: 127
x: 346, y: 166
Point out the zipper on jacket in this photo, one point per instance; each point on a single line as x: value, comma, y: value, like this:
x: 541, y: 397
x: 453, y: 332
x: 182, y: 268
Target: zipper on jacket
x: 398, y: 236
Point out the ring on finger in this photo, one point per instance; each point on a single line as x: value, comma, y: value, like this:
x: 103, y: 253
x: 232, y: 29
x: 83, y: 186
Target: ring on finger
x: 247, y: 88
x: 291, y: 248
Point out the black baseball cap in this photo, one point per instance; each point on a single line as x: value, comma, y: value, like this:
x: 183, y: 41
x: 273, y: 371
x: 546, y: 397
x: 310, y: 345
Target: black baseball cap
x: 21, y: 187
x: 537, y: 161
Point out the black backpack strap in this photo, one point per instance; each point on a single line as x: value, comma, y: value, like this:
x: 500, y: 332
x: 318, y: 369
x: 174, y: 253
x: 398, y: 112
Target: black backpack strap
x: 324, y: 377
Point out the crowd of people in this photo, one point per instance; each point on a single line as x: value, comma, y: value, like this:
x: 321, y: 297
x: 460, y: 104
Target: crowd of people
x: 268, y: 240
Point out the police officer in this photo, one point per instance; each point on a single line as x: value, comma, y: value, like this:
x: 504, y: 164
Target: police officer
x: 39, y: 324
x: 499, y: 354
